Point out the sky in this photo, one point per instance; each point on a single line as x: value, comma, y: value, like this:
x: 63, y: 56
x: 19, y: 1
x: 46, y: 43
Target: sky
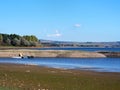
x: 62, y: 20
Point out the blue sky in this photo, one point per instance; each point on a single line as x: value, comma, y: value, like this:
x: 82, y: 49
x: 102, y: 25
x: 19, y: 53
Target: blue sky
x: 63, y: 20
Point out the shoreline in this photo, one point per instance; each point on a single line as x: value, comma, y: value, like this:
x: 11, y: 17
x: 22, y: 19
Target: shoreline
x: 50, y: 53
x: 36, y: 69
x: 21, y: 66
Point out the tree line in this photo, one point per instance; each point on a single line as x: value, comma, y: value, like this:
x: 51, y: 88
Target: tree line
x: 17, y: 40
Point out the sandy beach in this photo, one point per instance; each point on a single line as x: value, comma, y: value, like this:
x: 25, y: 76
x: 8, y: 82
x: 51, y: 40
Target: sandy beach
x: 50, y: 53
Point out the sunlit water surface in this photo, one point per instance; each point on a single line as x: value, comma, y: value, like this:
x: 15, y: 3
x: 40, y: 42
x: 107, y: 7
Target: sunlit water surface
x: 95, y: 64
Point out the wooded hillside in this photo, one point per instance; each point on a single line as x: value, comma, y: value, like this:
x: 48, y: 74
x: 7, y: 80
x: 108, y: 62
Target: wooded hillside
x: 17, y: 40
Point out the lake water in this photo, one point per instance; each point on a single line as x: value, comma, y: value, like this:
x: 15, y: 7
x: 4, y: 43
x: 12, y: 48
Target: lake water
x: 95, y: 64
x: 84, y: 49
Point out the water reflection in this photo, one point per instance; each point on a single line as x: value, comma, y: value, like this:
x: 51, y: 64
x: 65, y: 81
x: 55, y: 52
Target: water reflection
x: 96, y: 64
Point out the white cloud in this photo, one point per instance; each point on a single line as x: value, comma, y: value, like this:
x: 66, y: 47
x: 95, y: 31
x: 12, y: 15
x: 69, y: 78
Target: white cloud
x: 77, y: 25
x: 56, y: 34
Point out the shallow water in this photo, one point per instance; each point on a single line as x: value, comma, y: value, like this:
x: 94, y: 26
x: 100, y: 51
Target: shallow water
x: 95, y: 64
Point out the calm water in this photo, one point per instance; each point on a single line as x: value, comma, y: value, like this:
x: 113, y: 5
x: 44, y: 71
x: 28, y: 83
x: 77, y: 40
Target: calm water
x: 96, y: 64
x: 84, y: 49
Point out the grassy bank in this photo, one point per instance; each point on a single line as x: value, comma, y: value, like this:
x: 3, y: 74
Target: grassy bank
x: 24, y: 77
